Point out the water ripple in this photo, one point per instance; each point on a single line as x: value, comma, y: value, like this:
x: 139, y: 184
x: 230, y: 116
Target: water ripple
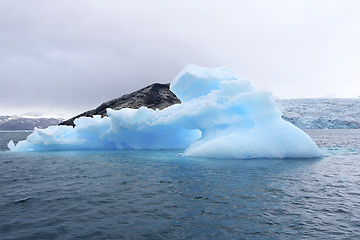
x: 163, y: 195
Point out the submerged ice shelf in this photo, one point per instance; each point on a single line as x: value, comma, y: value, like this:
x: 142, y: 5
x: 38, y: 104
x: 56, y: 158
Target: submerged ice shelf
x: 220, y: 116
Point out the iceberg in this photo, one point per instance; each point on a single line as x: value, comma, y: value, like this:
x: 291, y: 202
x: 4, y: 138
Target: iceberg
x: 220, y: 116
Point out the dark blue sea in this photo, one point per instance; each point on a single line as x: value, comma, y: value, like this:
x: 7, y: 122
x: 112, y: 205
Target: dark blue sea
x: 164, y: 195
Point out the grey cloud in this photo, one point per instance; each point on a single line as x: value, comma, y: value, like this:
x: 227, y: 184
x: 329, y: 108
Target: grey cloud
x: 73, y: 55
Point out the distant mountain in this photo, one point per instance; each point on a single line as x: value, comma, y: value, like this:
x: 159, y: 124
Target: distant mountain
x: 315, y: 113
x: 153, y: 96
x: 12, y: 123
x: 322, y: 113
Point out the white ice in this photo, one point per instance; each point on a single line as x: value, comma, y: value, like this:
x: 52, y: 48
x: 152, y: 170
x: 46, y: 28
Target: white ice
x: 220, y: 116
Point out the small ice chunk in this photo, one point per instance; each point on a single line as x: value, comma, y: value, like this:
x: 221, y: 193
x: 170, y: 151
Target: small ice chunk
x: 11, y: 145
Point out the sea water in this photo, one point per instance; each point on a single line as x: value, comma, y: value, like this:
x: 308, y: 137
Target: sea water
x: 165, y: 195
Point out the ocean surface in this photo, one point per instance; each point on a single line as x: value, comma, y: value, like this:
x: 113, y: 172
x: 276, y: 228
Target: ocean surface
x: 164, y: 195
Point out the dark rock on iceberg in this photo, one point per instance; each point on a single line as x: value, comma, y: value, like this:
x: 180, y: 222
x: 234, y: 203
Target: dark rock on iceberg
x: 154, y: 96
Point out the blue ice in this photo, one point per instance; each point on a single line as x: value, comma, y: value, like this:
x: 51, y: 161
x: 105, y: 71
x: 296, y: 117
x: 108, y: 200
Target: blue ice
x: 221, y: 116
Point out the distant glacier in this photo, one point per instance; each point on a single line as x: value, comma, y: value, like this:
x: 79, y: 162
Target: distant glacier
x: 322, y: 113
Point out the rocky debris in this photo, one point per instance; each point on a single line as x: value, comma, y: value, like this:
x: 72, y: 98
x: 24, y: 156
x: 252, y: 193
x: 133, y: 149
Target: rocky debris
x: 154, y: 96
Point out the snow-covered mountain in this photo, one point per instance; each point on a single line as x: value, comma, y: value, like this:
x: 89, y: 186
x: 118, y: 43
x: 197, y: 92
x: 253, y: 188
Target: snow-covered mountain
x: 26, y: 123
x: 322, y: 113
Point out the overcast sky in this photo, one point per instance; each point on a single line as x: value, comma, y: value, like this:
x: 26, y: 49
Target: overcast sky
x: 68, y: 56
